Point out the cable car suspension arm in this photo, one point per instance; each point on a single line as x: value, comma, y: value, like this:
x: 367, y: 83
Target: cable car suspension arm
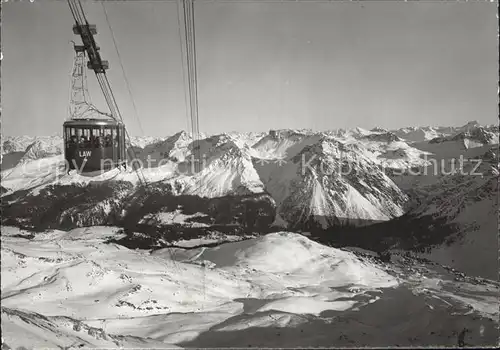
x: 96, y: 63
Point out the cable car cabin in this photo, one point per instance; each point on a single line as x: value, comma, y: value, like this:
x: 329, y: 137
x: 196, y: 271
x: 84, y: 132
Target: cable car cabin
x: 94, y: 144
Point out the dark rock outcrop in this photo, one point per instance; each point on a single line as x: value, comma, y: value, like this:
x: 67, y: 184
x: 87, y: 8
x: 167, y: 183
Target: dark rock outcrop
x: 118, y: 203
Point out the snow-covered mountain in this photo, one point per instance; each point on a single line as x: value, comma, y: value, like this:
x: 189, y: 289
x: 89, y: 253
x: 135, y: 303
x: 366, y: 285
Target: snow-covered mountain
x: 416, y: 134
x: 464, y: 204
x: 329, y: 183
x: 12, y: 144
x: 252, y: 182
x: 199, y: 258
x: 452, y: 215
x: 78, y: 289
x: 282, y: 143
x: 231, y: 167
x: 427, y: 133
x: 22, y: 149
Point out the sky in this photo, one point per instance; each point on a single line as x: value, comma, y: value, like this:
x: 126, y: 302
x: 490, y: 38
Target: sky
x: 260, y: 65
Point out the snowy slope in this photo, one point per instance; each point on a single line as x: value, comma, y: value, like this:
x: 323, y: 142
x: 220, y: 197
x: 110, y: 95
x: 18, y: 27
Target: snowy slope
x: 33, y: 174
x: 453, y: 215
x: 417, y: 134
x: 466, y: 202
x: 383, y: 147
x: 452, y: 146
x: 21, y: 149
x: 62, y: 289
x: 427, y: 133
x: 41, y: 148
x: 438, y: 166
x: 18, y: 143
x: 474, y: 211
x: 144, y: 141
x: 283, y: 143
x: 173, y: 146
x: 78, y: 282
x: 226, y: 168
x: 84, y: 288
x: 331, y: 183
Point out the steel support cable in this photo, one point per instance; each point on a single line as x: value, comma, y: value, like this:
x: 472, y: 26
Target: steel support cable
x: 112, y: 101
x: 111, y: 97
x: 116, y: 112
x: 195, y: 77
x: 195, y: 94
x: 192, y: 87
x: 186, y: 39
x: 188, y: 63
x: 108, y: 95
x: 189, y: 21
x: 188, y: 25
x: 195, y: 98
x: 107, y: 98
x: 123, y: 69
x: 78, y: 13
x: 80, y: 19
x: 193, y: 67
x: 74, y: 12
x: 89, y: 43
x: 184, y: 77
x: 82, y: 12
x: 188, y: 57
x: 138, y: 170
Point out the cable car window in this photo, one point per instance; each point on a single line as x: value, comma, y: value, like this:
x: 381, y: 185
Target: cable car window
x: 71, y: 137
x: 97, y: 137
x: 94, y: 134
x: 107, y: 138
x: 90, y: 139
x: 103, y: 137
x: 82, y: 138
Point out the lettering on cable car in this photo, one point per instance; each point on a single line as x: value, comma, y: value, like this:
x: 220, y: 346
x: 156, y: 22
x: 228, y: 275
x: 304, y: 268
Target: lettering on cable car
x: 85, y: 154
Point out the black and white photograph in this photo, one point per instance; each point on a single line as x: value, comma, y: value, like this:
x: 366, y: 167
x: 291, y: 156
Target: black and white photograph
x: 249, y: 174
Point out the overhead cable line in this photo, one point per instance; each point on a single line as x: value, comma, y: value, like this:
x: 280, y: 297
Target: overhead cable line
x: 184, y: 77
x: 123, y: 68
x: 99, y: 66
x: 188, y: 7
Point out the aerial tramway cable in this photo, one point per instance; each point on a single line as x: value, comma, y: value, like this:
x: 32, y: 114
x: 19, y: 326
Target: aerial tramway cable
x: 189, y: 29
x: 128, y: 88
x: 100, y: 72
x: 123, y: 69
x: 94, y: 57
x: 184, y: 76
x: 106, y: 87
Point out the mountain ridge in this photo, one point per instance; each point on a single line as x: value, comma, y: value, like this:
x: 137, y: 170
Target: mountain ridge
x: 299, y: 180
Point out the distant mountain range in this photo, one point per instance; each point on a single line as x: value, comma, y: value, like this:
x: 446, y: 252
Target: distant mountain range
x: 406, y: 179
